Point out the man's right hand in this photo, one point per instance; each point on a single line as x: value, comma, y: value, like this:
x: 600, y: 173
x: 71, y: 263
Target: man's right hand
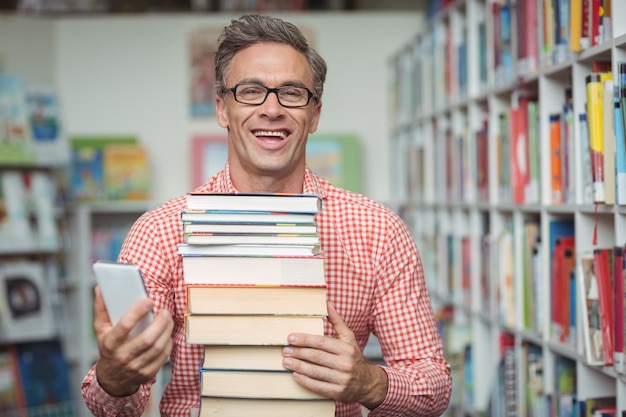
x: 126, y: 362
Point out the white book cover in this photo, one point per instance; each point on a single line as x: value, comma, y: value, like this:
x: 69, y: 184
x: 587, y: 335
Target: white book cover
x: 25, y: 306
x: 42, y: 190
x: 17, y: 231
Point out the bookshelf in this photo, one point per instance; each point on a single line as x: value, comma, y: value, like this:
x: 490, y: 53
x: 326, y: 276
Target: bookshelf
x: 487, y: 223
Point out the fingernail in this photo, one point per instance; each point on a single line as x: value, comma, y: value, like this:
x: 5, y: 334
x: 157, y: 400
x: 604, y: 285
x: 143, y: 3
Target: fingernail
x: 288, y: 350
x: 287, y: 362
x: 292, y: 338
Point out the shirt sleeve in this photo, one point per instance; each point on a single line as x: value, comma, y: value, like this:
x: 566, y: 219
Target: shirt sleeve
x: 142, y: 249
x: 419, y: 376
x: 101, y: 404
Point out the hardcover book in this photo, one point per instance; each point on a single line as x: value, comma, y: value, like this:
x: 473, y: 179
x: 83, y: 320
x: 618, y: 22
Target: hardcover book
x: 248, y: 329
x: 293, y: 203
x: 264, y: 407
x: 256, y: 299
x: 254, y: 270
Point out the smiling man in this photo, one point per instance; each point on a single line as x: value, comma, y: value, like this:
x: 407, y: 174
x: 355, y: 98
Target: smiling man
x: 269, y: 85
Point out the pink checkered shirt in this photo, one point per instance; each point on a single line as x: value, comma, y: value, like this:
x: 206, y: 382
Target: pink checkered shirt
x: 375, y: 280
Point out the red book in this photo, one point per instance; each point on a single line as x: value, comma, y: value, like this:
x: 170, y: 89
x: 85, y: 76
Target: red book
x: 520, y: 167
x: 562, y: 264
x: 618, y: 308
x: 602, y: 265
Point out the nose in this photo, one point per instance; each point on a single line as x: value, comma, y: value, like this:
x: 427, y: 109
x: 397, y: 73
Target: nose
x: 272, y: 106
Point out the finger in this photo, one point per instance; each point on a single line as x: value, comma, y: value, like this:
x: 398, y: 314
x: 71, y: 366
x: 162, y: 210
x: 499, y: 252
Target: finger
x: 341, y: 328
x: 100, y: 315
x: 130, y: 319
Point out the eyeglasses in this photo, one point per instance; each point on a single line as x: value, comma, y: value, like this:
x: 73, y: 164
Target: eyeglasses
x: 288, y: 96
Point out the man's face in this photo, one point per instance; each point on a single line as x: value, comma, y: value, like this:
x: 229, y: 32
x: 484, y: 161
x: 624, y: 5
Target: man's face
x: 268, y: 140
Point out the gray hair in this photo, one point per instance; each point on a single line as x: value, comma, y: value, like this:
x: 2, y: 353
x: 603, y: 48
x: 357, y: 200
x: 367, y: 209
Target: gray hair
x: 252, y: 29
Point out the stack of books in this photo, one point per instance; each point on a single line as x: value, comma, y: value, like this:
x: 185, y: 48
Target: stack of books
x: 254, y: 273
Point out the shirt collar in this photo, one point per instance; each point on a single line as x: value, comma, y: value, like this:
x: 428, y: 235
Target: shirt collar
x: 312, y: 184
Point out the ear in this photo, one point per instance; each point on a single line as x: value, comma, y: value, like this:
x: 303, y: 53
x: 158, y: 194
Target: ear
x: 315, y: 118
x: 221, y: 112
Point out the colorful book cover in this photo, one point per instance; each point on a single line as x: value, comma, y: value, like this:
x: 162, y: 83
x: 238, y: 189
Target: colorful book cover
x: 126, y: 172
x: 596, y: 133
x: 44, y: 374
x: 25, y: 304
x: 589, y: 303
x: 87, y: 165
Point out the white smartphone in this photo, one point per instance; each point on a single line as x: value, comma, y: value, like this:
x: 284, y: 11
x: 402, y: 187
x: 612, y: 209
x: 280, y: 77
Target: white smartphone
x: 122, y: 287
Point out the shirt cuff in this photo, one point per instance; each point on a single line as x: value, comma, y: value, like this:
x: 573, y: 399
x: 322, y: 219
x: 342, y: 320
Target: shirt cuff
x: 115, y: 405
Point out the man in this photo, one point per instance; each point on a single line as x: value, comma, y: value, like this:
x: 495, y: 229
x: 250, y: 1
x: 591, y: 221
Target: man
x: 269, y: 85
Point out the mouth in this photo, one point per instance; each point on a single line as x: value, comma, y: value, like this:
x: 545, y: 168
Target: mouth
x: 270, y: 134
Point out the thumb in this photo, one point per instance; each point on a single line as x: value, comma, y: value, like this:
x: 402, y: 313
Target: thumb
x: 101, y: 318
x: 341, y: 328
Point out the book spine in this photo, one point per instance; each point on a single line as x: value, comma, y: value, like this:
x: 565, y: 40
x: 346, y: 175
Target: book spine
x: 596, y: 140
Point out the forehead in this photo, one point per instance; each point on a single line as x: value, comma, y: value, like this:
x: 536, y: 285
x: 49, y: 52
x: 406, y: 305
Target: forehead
x: 272, y: 64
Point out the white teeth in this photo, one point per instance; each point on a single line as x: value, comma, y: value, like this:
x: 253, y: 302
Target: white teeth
x: 269, y: 133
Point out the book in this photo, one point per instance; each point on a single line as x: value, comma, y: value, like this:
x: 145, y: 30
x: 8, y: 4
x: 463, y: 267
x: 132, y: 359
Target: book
x: 8, y: 382
x: 248, y: 329
x: 264, y: 407
x: 293, y: 203
x: 520, y: 169
x: 126, y: 172
x: 252, y: 384
x: 618, y: 308
x: 243, y: 357
x: 13, y: 112
x: 254, y: 270
x: 87, y: 169
x: 16, y: 232
x: 26, y: 312
x: 590, y: 310
x: 222, y: 216
x: 251, y: 228
x: 595, y: 123
x: 603, y: 270
x: 620, y: 148
x: 585, y: 170
x: 43, y: 196
x: 608, y: 130
x: 43, y: 373
x: 49, y: 144
x: 556, y: 149
x: 249, y: 250
x: 256, y: 299
x: 250, y: 239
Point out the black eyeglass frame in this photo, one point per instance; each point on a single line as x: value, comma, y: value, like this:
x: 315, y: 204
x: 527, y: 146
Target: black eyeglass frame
x: 310, y: 94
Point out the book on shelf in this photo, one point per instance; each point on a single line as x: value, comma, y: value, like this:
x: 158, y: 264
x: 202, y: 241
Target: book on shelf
x: 253, y: 384
x: 618, y: 308
x: 293, y: 203
x: 16, y: 229
x: 589, y: 302
x: 244, y: 357
x: 87, y: 164
x: 608, y: 130
x: 302, y: 270
x: 257, y: 299
x: 250, y: 239
x: 49, y: 144
x: 248, y: 329
x: 225, y: 217
x: 556, y: 150
x: 603, y: 267
x: 41, y: 375
x: 620, y: 142
x: 249, y: 250
x: 586, y: 170
x: 8, y: 384
x: 26, y: 312
x: 126, y: 172
x: 251, y: 228
x: 13, y: 111
x: 520, y: 169
x: 594, y: 95
x: 265, y: 407
x: 597, y: 407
